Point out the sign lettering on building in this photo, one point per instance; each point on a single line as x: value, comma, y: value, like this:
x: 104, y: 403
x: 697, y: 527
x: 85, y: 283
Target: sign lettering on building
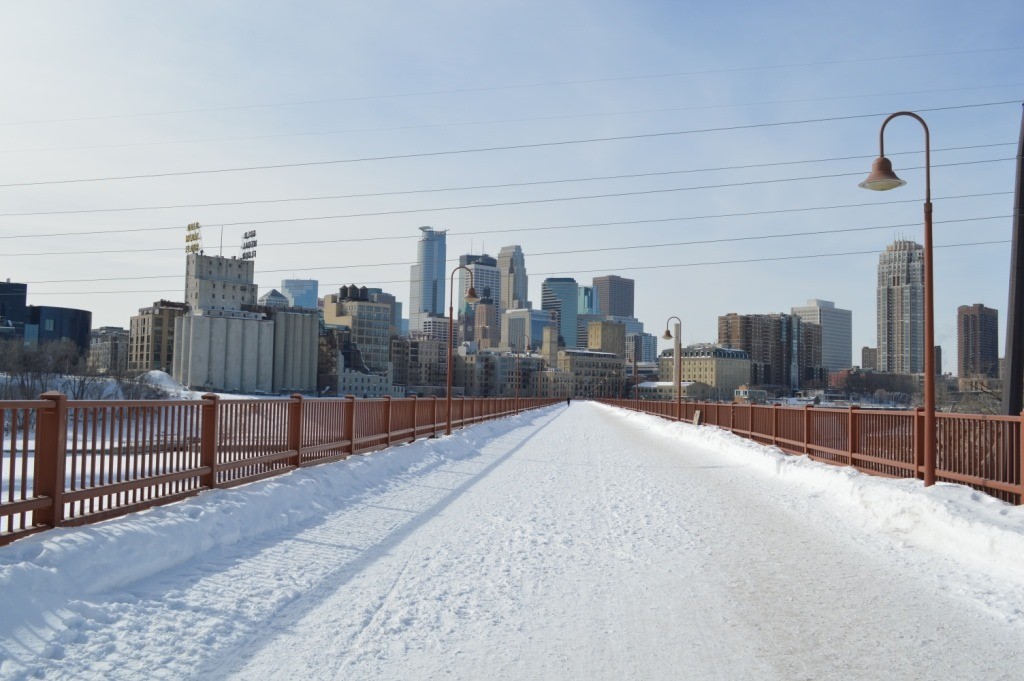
x: 193, y: 238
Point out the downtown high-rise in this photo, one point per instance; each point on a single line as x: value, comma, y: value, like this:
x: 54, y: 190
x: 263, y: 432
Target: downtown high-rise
x: 901, y: 308
x: 977, y: 346
x: 427, y: 278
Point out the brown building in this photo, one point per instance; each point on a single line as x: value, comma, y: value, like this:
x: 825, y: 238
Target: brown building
x: 785, y: 351
x: 977, y: 336
x: 151, y: 336
x: 614, y: 295
x: 868, y: 358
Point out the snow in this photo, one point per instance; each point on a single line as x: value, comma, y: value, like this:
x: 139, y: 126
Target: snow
x: 571, y: 542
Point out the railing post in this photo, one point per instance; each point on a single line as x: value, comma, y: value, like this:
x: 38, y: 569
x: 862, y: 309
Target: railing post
x: 51, y: 453
x: 433, y: 417
x: 349, y: 427
x: 732, y: 416
x: 387, y: 426
x: 1020, y: 456
x: 295, y: 428
x: 851, y: 433
x: 415, y: 417
x: 807, y: 429
x: 775, y: 424
x: 208, y: 440
x: 919, y: 443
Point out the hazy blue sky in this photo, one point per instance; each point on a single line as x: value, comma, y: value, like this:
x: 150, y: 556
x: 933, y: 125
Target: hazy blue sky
x: 724, y: 103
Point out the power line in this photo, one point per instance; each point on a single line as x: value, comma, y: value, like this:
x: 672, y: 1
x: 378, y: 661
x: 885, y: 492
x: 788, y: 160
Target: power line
x: 477, y: 150
x: 605, y: 269
x: 575, y: 251
x: 495, y: 88
x: 502, y: 121
x: 523, y: 202
x: 506, y: 185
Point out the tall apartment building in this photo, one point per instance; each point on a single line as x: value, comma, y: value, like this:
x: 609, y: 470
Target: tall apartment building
x: 784, y: 350
x: 378, y: 295
x: 151, y: 336
x: 901, y: 308
x: 560, y: 295
x: 836, y: 331
x: 977, y: 336
x: 301, y: 292
x: 427, y: 279
x: 420, y: 364
x: 369, y: 322
x: 868, y: 358
x: 614, y: 295
x: 486, y: 332
x: 513, y: 292
x: 108, y: 350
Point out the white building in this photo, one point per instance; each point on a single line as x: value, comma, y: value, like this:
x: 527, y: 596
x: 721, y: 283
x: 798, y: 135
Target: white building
x: 901, y: 308
x: 836, y: 332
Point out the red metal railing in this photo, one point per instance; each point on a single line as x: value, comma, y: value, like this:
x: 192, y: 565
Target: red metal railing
x: 75, y: 462
x: 973, y: 449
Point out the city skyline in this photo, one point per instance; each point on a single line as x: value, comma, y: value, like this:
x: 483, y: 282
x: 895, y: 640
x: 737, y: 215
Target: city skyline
x: 695, y: 113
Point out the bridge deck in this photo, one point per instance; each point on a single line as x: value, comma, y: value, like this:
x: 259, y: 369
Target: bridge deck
x: 578, y: 543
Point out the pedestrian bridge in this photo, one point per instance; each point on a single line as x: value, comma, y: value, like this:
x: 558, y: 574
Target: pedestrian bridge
x: 579, y: 542
x: 67, y: 462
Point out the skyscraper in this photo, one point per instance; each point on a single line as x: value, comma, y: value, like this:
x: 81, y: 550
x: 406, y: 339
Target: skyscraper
x: 614, y: 295
x: 427, y: 278
x: 560, y: 295
x: 512, y: 268
x: 977, y: 336
x: 836, y: 331
x: 901, y: 308
x: 486, y: 281
x: 301, y: 292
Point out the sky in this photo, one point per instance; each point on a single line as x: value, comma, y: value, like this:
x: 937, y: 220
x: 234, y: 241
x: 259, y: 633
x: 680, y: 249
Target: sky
x: 565, y: 543
x: 691, y: 147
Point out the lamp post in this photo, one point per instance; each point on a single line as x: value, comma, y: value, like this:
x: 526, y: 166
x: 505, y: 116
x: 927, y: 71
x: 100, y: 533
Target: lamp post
x: 518, y: 376
x: 883, y: 178
x: 677, y: 353
x: 470, y: 298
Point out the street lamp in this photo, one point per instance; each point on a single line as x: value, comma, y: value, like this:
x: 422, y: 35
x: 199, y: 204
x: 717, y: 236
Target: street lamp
x: 518, y: 376
x: 470, y: 298
x: 883, y: 178
x: 677, y: 353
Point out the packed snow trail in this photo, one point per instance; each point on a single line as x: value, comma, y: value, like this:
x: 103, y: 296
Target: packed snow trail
x: 577, y: 543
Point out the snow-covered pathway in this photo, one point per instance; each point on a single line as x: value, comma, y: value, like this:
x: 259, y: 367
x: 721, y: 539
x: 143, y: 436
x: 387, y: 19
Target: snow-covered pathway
x: 580, y: 543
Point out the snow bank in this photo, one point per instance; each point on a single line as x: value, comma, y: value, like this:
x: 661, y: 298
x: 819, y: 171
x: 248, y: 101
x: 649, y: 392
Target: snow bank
x: 951, y: 519
x: 47, y: 568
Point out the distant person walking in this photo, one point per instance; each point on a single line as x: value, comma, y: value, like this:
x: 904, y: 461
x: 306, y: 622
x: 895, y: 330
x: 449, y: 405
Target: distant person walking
x: 568, y: 401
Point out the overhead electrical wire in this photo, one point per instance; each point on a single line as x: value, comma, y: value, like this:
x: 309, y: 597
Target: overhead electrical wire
x: 522, y: 86
x: 574, y: 251
x: 506, y: 185
x: 477, y: 150
x: 411, y: 211
x: 500, y: 121
x: 605, y: 269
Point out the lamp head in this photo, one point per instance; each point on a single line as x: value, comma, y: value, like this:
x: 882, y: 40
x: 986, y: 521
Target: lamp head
x: 471, y: 296
x: 667, y: 335
x: 881, y: 177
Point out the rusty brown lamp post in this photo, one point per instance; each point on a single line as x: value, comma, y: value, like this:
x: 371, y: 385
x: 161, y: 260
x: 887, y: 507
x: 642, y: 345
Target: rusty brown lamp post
x: 678, y: 355
x: 883, y: 178
x: 470, y: 298
x: 518, y: 376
